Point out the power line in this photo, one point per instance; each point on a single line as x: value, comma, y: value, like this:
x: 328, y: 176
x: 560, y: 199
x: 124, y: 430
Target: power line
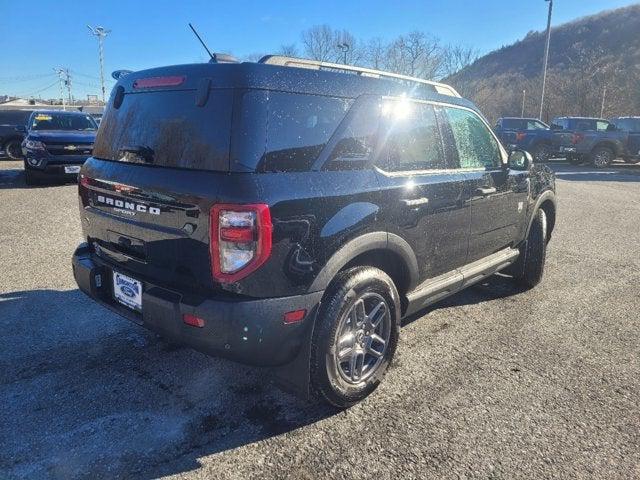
x: 35, y: 92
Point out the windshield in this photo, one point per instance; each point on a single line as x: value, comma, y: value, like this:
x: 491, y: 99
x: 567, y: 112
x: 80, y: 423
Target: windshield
x: 62, y: 121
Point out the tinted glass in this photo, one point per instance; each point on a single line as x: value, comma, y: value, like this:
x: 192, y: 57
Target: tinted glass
x: 175, y: 131
x: 411, y: 137
x: 513, y: 124
x: 298, y: 128
x: 585, y: 125
x: 475, y: 145
x: 62, y: 121
x: 358, y: 137
x: 535, y: 125
x: 14, y: 117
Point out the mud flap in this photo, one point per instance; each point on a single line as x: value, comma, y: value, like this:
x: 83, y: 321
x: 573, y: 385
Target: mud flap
x: 294, y: 377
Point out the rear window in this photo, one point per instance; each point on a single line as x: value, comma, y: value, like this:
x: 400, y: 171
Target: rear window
x: 285, y: 132
x: 168, y: 129
x: 513, y: 124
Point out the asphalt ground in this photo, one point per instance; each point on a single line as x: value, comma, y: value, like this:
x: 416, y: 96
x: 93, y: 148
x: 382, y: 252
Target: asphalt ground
x: 493, y: 383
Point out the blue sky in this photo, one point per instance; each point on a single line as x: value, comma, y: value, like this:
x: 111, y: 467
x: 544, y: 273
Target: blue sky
x: 36, y: 37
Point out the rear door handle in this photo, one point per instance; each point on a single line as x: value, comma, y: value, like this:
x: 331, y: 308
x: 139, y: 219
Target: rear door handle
x: 486, y: 190
x: 415, y: 202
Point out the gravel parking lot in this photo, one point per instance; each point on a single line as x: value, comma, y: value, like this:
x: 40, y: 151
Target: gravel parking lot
x: 493, y: 383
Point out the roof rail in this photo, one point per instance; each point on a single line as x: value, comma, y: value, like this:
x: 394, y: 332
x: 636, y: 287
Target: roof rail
x: 285, y: 61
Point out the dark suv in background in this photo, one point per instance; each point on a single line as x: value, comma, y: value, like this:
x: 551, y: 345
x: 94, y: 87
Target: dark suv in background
x: 12, y: 133
x: 290, y: 213
x: 528, y: 134
x: 57, y: 143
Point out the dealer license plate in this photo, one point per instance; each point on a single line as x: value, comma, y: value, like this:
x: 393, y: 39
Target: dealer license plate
x: 127, y: 291
x: 72, y: 169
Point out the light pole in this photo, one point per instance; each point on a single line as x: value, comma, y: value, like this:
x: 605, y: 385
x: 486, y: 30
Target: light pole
x: 344, y: 46
x: 100, y: 33
x: 545, y: 62
x: 524, y: 95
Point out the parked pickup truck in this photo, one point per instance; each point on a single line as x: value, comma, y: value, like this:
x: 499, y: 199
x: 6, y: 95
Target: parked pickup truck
x: 10, y: 135
x: 528, y: 134
x: 592, y: 140
x: 630, y: 125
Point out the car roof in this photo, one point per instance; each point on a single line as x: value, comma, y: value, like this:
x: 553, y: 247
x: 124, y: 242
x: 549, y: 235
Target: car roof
x: 625, y: 118
x: 581, y: 118
x: 330, y: 81
x: 65, y: 112
x: 521, y: 118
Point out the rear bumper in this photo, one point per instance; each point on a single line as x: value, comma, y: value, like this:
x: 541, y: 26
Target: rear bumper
x: 247, y: 331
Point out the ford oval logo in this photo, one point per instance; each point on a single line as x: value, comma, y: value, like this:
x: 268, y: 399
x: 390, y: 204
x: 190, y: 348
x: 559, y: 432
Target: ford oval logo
x: 128, y: 291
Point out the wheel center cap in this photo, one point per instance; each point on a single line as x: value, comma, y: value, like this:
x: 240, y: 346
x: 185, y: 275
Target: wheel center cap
x: 360, y: 337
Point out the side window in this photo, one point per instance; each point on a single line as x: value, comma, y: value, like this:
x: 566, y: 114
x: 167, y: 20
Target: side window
x: 476, y: 146
x: 602, y: 126
x: 535, y: 125
x: 298, y: 128
x: 410, y: 137
x: 357, y: 139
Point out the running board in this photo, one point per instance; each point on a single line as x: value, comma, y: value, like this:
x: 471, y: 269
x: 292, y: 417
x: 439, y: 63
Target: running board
x: 442, y: 286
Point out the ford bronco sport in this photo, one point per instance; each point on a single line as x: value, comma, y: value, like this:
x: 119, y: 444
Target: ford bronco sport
x: 289, y: 213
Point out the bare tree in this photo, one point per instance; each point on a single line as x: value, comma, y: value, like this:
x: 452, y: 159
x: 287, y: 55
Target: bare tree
x: 319, y: 43
x: 456, y: 58
x: 416, y: 54
x: 290, y: 50
x: 375, y: 53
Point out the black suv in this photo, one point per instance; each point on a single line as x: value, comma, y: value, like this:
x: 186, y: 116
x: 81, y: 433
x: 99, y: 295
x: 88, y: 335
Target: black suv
x: 289, y: 213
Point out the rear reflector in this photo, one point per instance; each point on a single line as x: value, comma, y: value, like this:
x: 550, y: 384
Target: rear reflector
x: 152, y: 82
x: 193, y: 320
x: 295, y: 316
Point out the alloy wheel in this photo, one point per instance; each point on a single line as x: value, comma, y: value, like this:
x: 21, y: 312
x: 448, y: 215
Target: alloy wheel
x: 362, y: 338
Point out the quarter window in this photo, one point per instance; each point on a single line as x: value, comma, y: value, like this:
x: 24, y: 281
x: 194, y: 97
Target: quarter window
x: 410, y: 137
x: 476, y: 147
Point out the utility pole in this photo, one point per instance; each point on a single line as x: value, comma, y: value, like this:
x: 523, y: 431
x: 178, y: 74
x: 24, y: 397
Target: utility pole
x: 68, y: 84
x: 604, y: 95
x: 545, y: 62
x: 100, y: 33
x: 524, y: 95
x: 61, y: 77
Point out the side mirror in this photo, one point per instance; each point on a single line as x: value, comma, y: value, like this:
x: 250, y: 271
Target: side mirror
x: 611, y: 128
x: 21, y: 129
x: 555, y: 127
x: 520, y: 160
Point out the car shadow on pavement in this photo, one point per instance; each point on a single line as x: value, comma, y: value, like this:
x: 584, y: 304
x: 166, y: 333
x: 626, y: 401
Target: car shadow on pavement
x: 13, y: 178
x: 86, y: 394
x: 492, y: 288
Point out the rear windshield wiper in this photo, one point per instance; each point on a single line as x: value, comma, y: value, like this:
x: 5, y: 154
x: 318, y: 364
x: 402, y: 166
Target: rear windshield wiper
x: 140, y: 151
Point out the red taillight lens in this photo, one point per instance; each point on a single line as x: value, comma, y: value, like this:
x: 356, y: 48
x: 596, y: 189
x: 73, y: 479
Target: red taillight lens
x: 577, y: 138
x: 295, y: 316
x: 240, y: 240
x: 153, y: 82
x: 520, y: 136
x: 192, y: 320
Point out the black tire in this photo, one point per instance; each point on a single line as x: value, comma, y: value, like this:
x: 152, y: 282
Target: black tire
x: 529, y: 267
x: 542, y: 153
x: 602, y: 157
x: 575, y: 159
x: 329, y: 375
x: 13, y: 149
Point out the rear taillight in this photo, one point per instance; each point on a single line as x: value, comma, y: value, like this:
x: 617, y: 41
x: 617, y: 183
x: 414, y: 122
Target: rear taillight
x: 240, y: 240
x: 520, y: 136
x: 577, y: 138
